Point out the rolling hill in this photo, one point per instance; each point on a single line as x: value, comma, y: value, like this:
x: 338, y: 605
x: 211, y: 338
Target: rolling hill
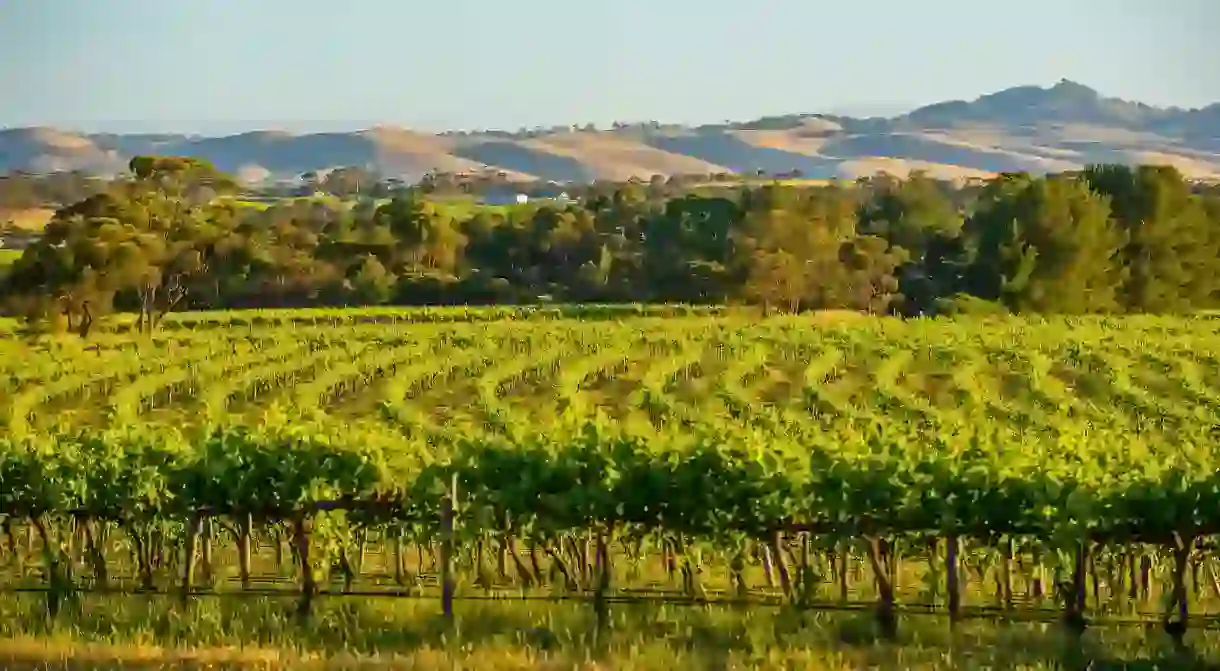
x: 1032, y: 128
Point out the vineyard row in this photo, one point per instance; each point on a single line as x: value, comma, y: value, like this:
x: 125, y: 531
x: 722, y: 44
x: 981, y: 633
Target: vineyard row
x: 1153, y: 378
x: 455, y: 516
x: 843, y: 476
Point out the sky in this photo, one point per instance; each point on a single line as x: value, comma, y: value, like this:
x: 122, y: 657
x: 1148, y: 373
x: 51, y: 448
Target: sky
x: 219, y: 66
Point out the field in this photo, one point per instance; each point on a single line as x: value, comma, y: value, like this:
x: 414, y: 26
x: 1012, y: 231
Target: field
x: 458, y: 208
x: 464, y: 208
x: 647, y: 487
x: 30, y: 220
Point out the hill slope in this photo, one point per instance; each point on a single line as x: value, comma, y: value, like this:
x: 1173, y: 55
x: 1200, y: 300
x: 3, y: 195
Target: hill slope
x: 1060, y: 127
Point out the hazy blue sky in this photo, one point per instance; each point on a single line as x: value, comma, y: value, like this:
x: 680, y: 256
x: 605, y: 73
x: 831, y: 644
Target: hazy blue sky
x: 221, y: 65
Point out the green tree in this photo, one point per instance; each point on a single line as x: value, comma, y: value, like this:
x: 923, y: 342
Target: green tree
x: 684, y: 251
x: 429, y: 239
x: 787, y: 248
x: 349, y: 181
x: 1173, y: 250
x: 872, y: 283
x: 909, y: 213
x: 158, y: 240
x: 1047, y: 245
x: 371, y: 282
x: 146, y: 242
x: 919, y: 216
x: 183, y: 180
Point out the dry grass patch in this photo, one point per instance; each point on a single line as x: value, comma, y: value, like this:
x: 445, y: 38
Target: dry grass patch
x: 806, y: 182
x: 65, y: 652
x: 899, y: 167
x: 1001, y: 145
x: 1192, y: 168
x: 407, y: 150
x: 619, y: 158
x: 839, y: 317
x: 62, y: 141
x: 783, y: 140
x: 32, y: 219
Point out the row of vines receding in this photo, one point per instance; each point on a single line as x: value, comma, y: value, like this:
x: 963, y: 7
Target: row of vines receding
x: 863, y: 519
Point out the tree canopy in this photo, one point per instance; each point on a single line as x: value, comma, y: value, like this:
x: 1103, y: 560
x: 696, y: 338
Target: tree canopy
x: 1111, y: 239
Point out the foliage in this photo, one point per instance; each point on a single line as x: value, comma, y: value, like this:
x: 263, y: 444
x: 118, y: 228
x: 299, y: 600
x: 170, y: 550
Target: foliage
x: 1173, y: 255
x: 965, y: 304
x: 168, y: 237
x: 849, y: 476
x: 1050, y: 462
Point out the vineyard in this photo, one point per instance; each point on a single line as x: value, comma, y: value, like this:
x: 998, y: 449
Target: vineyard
x: 1057, y: 468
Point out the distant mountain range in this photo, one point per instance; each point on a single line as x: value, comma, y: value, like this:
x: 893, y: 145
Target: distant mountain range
x: 1032, y: 128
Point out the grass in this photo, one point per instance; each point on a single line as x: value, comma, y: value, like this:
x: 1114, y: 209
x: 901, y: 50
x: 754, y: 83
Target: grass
x: 805, y: 182
x: 261, y: 632
x: 458, y: 208
x: 144, y: 632
x: 253, y: 205
x: 248, y: 631
x: 32, y: 219
x: 617, y: 157
x: 784, y: 346
x: 265, y: 205
x: 739, y: 181
x: 465, y: 208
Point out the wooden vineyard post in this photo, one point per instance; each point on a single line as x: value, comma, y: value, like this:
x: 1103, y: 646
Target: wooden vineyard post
x: 601, y: 606
x: 588, y: 557
x: 741, y: 589
x: 1006, y: 574
x: 302, y: 524
x: 448, y: 513
x: 1176, y: 627
x: 245, y: 529
x: 278, y: 541
x: 207, y: 532
x: 1035, y: 590
x: 1133, y: 581
x: 59, y: 585
x: 776, y: 550
x: 1196, y: 572
x: 1076, y: 596
x: 94, y: 551
x: 502, y: 550
x: 1145, y: 589
x: 768, y: 564
x: 844, y: 556
x: 15, y: 558
x: 952, y: 581
x: 192, y: 554
x: 399, y: 558
x: 805, y: 579
x: 482, y: 579
x: 886, y: 617
x: 892, y: 550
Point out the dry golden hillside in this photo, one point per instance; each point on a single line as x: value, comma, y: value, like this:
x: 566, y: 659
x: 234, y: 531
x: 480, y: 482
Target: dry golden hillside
x: 784, y: 140
x: 616, y: 157
x: 399, y: 150
x: 31, y: 219
x: 1024, y: 128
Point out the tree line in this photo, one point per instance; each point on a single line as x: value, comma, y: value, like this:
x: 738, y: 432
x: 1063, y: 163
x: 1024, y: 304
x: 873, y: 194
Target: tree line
x: 1108, y: 239
x: 22, y: 190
